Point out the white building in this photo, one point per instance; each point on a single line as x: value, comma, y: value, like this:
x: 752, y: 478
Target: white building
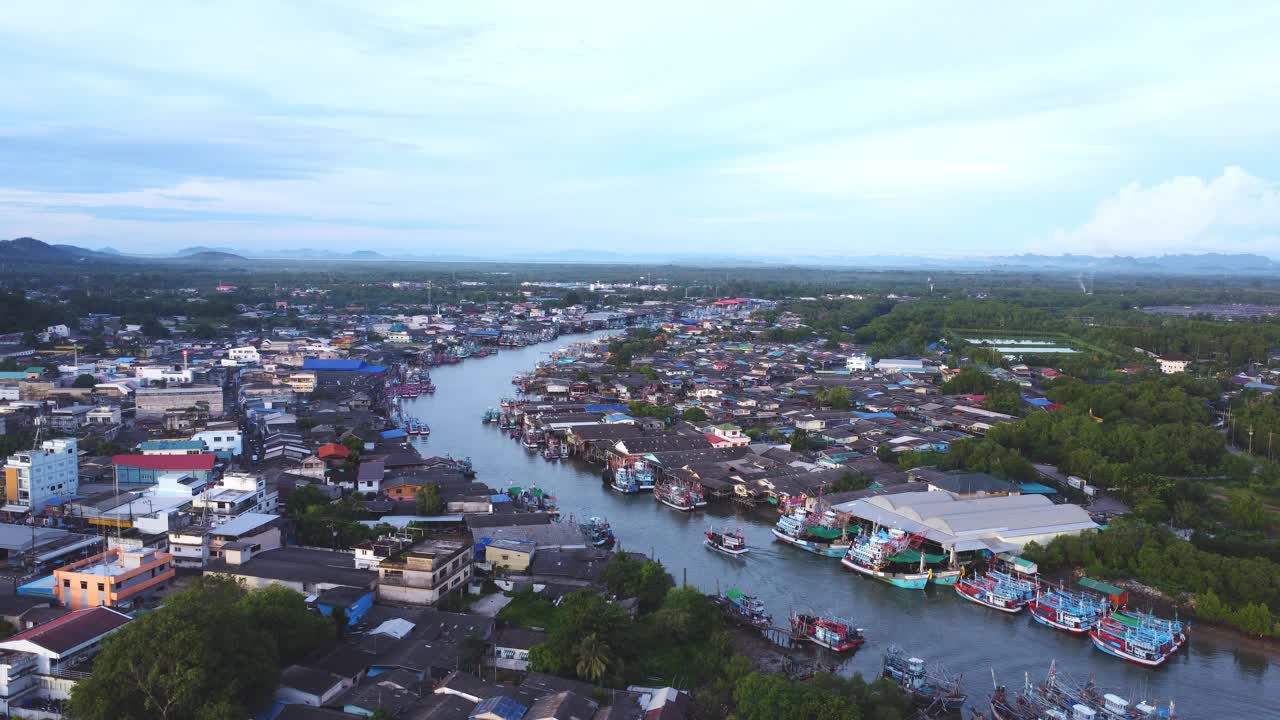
x: 227, y: 441
x: 1174, y: 363
x: 156, y: 373
x: 236, y: 494
x: 32, y: 662
x: 34, y: 478
x: 104, y: 415
x: 858, y: 362
x: 245, y: 355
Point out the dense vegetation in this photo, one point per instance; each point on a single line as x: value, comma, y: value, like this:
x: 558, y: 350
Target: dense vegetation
x: 679, y: 638
x: 213, y: 652
x: 1241, y: 592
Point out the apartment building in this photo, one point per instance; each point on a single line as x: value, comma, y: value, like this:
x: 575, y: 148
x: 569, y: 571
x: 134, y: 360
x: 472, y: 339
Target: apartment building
x: 34, y: 478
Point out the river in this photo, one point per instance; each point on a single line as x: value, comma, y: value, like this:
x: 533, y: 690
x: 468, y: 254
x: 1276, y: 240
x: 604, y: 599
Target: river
x: 1213, y: 677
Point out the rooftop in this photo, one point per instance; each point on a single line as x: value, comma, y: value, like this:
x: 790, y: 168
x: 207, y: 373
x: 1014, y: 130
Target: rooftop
x: 72, y: 630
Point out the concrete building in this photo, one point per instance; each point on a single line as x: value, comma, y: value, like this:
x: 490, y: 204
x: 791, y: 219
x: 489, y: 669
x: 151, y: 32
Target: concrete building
x: 153, y: 402
x: 858, y: 362
x: 104, y: 415
x: 69, y: 419
x: 34, y: 664
x: 1174, y: 363
x: 515, y: 555
x: 425, y: 572
x: 303, y: 382
x: 194, y: 545
x: 237, y: 493
x: 114, y: 578
x: 247, y: 355
x: 305, y: 570
x: 34, y: 478
x: 224, y: 440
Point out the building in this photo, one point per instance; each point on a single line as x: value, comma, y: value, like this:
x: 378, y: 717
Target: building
x: 193, y: 546
x: 247, y: 355
x: 34, y: 664
x: 115, y: 578
x: 144, y: 469
x: 153, y: 402
x: 425, y: 572
x: 728, y: 435
x: 858, y: 362
x: 104, y: 415
x: 305, y: 570
x: 1174, y: 363
x: 69, y: 419
x: 511, y: 647
x: 34, y: 478
x: 224, y: 440
x: 303, y: 382
x: 514, y: 555
x: 238, y: 493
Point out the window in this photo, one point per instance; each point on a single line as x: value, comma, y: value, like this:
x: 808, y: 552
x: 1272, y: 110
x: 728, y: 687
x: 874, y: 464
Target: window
x: 102, y: 587
x: 84, y: 584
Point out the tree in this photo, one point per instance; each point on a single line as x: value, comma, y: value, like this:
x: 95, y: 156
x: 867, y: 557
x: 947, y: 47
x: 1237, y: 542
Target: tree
x: 84, y: 380
x: 1246, y: 513
x: 200, y: 656
x: 838, y: 397
x: 593, y: 656
x: 282, y: 614
x: 471, y: 652
x: 695, y: 414
x: 428, y: 499
x: 340, y: 622
x: 799, y: 440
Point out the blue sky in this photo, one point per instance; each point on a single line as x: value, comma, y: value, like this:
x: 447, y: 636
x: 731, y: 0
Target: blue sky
x: 747, y: 128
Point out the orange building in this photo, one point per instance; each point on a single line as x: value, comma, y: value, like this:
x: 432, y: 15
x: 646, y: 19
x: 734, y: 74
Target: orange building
x: 113, y: 578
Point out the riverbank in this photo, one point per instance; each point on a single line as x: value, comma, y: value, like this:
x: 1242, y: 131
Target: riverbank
x: 1214, y: 675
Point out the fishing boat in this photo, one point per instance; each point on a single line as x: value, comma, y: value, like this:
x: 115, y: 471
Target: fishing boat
x: 873, y: 555
x: 1059, y: 697
x: 998, y: 591
x: 832, y: 633
x: 1175, y: 628
x: 597, y: 532
x: 636, y: 475
x: 933, y: 688
x: 531, y: 440
x: 413, y: 428
x: 424, y: 429
x: 1073, y: 612
x: 744, y: 609
x: 729, y: 542
x: 822, y: 534
x: 491, y: 416
x: 624, y: 483
x: 684, y: 497
x: 1133, y: 642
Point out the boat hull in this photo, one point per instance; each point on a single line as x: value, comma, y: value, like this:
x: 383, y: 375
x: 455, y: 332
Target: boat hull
x: 906, y: 581
x: 725, y: 550
x: 831, y: 551
x: 1050, y: 622
x: 945, y: 577
x: 671, y: 504
x: 1110, y: 649
x: 1011, y: 609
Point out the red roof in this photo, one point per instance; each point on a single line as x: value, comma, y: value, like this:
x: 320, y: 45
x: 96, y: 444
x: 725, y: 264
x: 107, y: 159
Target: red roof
x: 201, y: 461
x: 333, y: 450
x: 73, y: 629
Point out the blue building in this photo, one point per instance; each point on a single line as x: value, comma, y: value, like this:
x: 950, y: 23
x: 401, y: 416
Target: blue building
x: 355, y: 602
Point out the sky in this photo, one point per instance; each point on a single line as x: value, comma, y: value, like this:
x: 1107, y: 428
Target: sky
x: 737, y: 128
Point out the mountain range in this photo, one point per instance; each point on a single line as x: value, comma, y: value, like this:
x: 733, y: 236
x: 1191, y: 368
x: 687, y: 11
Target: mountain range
x: 31, y: 250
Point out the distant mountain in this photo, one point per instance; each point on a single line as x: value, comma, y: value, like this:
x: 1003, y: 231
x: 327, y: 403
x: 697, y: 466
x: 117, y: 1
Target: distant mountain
x: 28, y: 249
x: 198, y: 249
x: 214, y: 256
x: 108, y: 250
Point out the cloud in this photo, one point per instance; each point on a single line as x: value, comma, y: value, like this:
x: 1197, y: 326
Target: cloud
x: 1233, y: 211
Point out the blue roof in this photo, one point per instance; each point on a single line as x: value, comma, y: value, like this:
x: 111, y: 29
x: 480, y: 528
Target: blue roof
x: 500, y: 498
x: 485, y: 332
x: 1037, y: 489
x: 501, y: 706
x: 171, y: 445
x: 617, y: 417
x: 607, y: 408
x: 41, y: 587
x: 869, y: 415
x: 1038, y: 402
x: 393, y: 434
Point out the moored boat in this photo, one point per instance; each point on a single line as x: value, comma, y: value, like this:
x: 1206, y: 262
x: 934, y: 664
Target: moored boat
x: 934, y: 689
x: 997, y: 591
x: 801, y: 529
x: 1072, y: 612
x: 872, y: 555
x: 729, y: 542
x: 685, y: 497
x: 1137, y: 644
x: 597, y: 532
x: 833, y: 633
x: 744, y: 609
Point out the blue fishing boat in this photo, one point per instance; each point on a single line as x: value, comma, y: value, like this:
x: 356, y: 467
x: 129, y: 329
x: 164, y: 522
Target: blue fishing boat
x: 1073, y: 612
x: 872, y: 555
x: 821, y: 534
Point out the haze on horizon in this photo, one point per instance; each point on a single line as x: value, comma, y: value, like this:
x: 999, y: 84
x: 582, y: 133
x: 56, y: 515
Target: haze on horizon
x: 747, y: 129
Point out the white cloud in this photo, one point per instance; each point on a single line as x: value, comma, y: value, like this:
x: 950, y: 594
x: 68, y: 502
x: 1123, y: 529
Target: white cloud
x: 1230, y: 212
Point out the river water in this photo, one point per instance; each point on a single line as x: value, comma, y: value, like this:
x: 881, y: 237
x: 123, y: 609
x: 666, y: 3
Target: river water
x: 1210, y: 678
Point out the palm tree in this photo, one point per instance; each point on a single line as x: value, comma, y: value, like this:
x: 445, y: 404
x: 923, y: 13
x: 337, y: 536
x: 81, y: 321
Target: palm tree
x: 594, y: 657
